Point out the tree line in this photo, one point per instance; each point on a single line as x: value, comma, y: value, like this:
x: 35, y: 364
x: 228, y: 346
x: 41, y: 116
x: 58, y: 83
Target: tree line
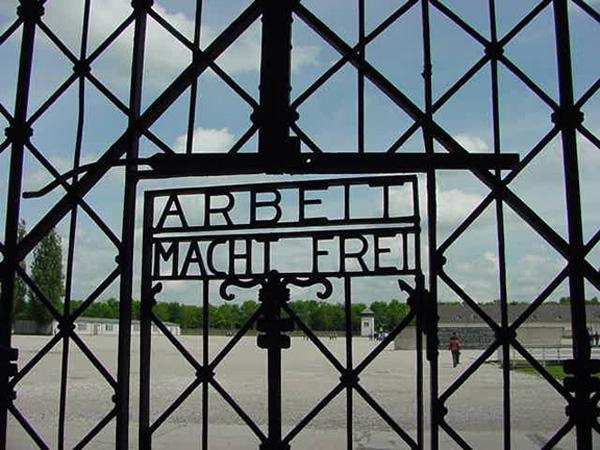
x: 317, y: 315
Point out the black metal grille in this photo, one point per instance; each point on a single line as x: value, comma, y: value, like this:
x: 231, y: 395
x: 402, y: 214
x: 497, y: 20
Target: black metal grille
x: 274, y: 117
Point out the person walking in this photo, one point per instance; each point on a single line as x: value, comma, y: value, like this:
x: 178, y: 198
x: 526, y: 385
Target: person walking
x: 454, y: 347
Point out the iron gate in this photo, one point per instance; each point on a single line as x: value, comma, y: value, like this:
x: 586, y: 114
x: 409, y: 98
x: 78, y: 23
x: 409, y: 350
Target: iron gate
x: 175, y: 249
x: 274, y: 116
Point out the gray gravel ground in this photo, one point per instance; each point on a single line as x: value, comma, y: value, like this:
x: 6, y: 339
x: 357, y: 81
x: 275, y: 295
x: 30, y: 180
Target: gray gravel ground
x: 475, y: 410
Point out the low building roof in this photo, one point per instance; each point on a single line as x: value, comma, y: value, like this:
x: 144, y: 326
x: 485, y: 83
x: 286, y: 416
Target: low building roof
x: 545, y: 313
x: 367, y: 312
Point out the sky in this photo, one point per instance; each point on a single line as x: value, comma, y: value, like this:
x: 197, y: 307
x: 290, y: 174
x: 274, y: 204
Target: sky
x: 328, y: 117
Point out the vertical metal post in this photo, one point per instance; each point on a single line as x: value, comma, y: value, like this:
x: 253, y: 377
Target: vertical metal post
x: 435, y: 260
x: 495, y: 51
x: 30, y: 11
x: 274, y: 115
x: 205, y: 359
x: 361, y: 79
x: 349, y: 361
x: 64, y: 383
x: 567, y: 118
x: 419, y: 330
x: 128, y: 228
x: 272, y: 295
x: 145, y: 437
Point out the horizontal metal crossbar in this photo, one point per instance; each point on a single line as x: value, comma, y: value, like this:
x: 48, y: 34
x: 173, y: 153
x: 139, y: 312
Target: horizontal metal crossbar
x: 180, y: 165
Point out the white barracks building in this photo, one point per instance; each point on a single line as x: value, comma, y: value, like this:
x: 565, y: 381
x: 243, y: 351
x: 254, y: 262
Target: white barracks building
x: 96, y: 327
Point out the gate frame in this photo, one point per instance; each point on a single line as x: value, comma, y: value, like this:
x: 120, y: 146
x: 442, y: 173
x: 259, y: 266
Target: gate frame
x: 275, y: 120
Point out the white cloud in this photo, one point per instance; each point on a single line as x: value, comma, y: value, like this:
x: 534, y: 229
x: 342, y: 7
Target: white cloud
x: 454, y: 205
x: 165, y: 57
x: 473, y: 144
x: 207, y: 140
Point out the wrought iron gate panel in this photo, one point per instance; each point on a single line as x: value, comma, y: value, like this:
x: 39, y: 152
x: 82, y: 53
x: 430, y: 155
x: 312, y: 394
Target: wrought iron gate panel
x: 163, y: 243
x: 275, y: 114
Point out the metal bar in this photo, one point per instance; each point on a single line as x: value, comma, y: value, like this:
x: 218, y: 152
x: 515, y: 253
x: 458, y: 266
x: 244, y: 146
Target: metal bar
x: 274, y: 114
x: 468, y: 300
x: 145, y: 436
x: 72, y: 232
x: 319, y: 184
x: 362, y: 53
x: 271, y: 308
x: 386, y: 417
x: 240, y: 412
x: 128, y: 226
x: 234, y: 340
x: 500, y: 234
x: 189, y: 145
x: 19, y: 135
x: 175, y: 342
x: 588, y: 94
x: 35, y: 359
x: 97, y: 429
x: 542, y: 296
x: 460, y: 22
x: 10, y: 30
x: 541, y: 370
x: 561, y: 433
x: 205, y: 357
x: 455, y: 436
x: 464, y: 376
x: 94, y: 360
x: 313, y: 413
x: 349, y: 361
x: 434, y: 266
x: 528, y: 82
x: 588, y: 9
x: 176, y: 403
x: 567, y: 120
x: 187, y: 165
x: 383, y: 344
x: 95, y: 294
x: 28, y: 428
x: 419, y: 331
x: 524, y: 22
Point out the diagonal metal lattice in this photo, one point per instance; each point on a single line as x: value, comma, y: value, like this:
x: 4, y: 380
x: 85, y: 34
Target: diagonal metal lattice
x: 566, y: 121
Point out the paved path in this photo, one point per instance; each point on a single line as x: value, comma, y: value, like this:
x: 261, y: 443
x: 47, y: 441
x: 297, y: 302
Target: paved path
x: 475, y: 410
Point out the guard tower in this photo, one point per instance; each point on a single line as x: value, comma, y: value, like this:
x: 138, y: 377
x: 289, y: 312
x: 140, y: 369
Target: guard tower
x: 367, y: 322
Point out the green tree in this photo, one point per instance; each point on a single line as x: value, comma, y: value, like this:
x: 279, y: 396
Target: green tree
x: 47, y: 274
x: 20, y: 292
